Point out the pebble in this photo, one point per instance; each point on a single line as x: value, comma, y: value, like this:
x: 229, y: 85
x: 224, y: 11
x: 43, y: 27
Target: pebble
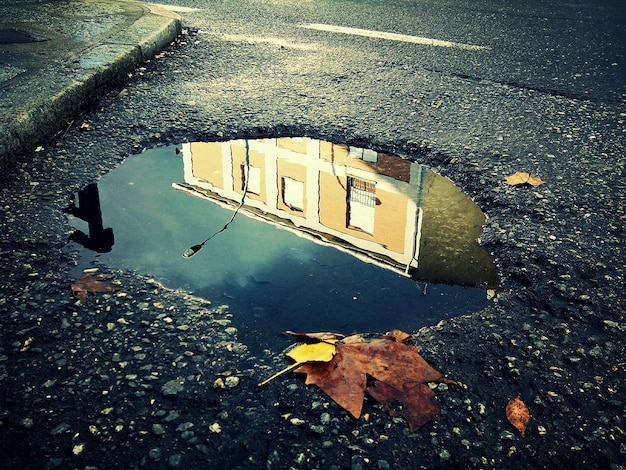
x: 232, y: 381
x: 215, y: 428
x: 60, y: 429
x: 175, y: 460
x: 158, y: 429
x: 172, y: 387
x: 185, y: 426
x: 171, y: 416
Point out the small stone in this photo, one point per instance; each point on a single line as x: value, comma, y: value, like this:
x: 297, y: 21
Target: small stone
x: 317, y: 428
x: 61, y: 428
x: 171, y: 416
x: 215, y: 428
x: 187, y: 435
x: 444, y: 454
x: 507, y: 435
x: 27, y: 423
x: 172, y: 387
x: 155, y: 453
x: 78, y: 448
x: 175, y: 460
x: 185, y: 426
x: 595, y: 352
x: 158, y: 429
x: 232, y: 381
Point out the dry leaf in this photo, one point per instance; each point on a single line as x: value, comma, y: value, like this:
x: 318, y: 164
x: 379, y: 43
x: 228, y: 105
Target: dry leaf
x: 399, y: 366
x: 90, y: 283
x: 315, y: 352
x: 314, y: 337
x: 397, y: 335
x: 418, y: 402
x: 518, y: 415
x: 523, y: 179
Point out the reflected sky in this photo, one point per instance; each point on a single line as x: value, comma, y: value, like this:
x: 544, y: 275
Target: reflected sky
x: 273, y: 279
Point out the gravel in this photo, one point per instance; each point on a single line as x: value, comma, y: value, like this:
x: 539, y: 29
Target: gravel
x: 156, y: 378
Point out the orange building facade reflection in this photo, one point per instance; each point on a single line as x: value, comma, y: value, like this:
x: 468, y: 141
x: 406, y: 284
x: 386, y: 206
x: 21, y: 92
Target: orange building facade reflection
x: 367, y: 203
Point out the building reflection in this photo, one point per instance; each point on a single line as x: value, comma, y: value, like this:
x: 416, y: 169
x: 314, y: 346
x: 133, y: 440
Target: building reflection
x: 378, y: 207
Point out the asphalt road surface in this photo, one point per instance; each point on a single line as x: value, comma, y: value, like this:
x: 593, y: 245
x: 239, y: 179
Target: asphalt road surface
x: 149, y: 377
x: 570, y: 49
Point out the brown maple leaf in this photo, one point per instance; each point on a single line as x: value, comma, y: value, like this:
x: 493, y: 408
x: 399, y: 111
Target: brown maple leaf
x: 418, y: 401
x: 90, y: 283
x: 393, y: 363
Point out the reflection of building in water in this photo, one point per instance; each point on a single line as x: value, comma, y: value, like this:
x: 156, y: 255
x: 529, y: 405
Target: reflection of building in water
x: 374, y: 205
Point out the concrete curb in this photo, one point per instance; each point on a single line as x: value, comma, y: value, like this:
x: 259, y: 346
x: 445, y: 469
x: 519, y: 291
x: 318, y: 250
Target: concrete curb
x: 43, y: 105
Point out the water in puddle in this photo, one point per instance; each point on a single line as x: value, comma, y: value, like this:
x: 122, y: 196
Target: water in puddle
x: 329, y: 237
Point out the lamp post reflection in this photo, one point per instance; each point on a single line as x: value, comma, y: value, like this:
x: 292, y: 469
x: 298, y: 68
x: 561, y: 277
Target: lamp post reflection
x: 99, y: 239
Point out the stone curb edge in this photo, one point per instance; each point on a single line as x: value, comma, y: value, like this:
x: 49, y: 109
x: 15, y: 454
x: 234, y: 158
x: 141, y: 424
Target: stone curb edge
x: 101, y: 68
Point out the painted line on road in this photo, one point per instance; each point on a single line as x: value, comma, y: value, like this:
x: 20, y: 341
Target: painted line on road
x: 175, y: 8
x: 392, y: 36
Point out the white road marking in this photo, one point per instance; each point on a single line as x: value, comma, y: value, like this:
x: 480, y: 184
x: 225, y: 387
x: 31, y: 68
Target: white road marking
x: 392, y: 36
x: 175, y: 8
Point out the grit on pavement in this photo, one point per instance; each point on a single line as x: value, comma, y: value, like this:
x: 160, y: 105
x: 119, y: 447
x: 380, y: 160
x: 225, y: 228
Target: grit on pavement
x: 150, y: 377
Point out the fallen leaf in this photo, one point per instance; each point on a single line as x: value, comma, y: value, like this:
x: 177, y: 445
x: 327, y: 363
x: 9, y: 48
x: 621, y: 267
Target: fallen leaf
x: 397, y: 335
x: 397, y: 365
x: 306, y: 352
x: 518, y: 415
x: 418, y: 402
x: 313, y: 337
x: 523, y: 179
x: 90, y: 283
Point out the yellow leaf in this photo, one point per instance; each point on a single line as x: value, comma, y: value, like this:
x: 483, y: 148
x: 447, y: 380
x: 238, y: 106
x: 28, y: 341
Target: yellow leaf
x: 315, y: 352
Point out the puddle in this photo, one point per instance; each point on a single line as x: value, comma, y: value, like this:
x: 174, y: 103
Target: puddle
x: 329, y: 237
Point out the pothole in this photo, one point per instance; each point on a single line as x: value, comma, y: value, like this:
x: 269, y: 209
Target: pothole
x: 328, y: 238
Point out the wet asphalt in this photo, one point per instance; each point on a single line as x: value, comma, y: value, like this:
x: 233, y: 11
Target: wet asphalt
x: 155, y: 378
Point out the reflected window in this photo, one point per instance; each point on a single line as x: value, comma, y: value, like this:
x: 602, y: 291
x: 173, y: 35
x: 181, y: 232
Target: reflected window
x: 361, y: 204
x: 253, y: 174
x: 293, y: 193
x: 366, y: 155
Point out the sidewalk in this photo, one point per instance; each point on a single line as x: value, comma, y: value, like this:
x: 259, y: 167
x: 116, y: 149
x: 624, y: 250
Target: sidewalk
x: 58, y: 56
